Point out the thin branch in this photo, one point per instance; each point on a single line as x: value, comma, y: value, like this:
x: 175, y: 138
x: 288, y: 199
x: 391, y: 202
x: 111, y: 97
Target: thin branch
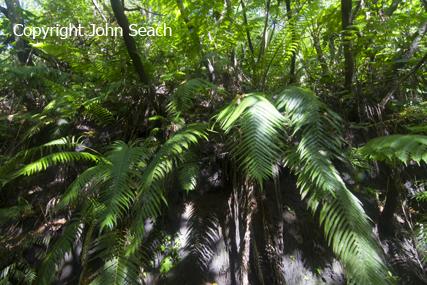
x: 143, y: 9
x: 99, y: 10
x: 4, y: 11
x: 248, y: 35
x: 390, y: 10
x: 401, y: 80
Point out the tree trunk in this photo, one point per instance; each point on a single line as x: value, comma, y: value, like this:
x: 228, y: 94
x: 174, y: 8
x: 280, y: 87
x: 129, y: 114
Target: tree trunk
x: 245, y: 264
x: 320, y: 55
x: 346, y: 6
x: 390, y: 10
x: 15, y: 17
x: 264, y: 33
x: 385, y: 223
x: 133, y: 52
x: 292, y: 80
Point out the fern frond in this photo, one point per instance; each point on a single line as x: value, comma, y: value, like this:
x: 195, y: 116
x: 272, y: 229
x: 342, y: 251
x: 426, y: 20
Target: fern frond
x: 89, y: 179
x: 64, y: 244
x: 421, y: 236
x: 12, y: 213
x: 280, y: 50
x: 61, y: 144
x: 151, y: 183
x: 187, y: 175
x: 396, y: 147
x: 123, y: 262
x: 345, y: 223
x: 259, y: 124
x: 181, y: 99
x: 53, y: 159
x: 116, y: 193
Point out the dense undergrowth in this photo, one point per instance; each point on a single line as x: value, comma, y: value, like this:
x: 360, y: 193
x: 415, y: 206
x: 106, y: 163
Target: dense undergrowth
x: 137, y: 160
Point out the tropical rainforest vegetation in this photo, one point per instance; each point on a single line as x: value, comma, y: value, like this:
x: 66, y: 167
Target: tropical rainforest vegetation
x: 260, y: 142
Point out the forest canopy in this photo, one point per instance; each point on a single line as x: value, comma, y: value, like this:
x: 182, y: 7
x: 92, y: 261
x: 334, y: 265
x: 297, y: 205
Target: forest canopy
x: 240, y: 141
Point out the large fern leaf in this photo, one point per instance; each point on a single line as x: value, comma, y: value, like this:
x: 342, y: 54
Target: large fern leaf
x: 61, y: 156
x: 346, y: 225
x: 151, y: 183
x: 396, y: 147
x: 260, y: 128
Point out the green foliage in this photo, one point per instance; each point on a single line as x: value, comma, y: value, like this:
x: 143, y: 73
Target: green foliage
x: 259, y: 135
x: 62, y: 156
x: 80, y: 80
x: 345, y: 223
x: 14, y: 267
x: 151, y: 183
x: 122, y: 262
x: 14, y: 212
x: 258, y: 142
x: 64, y: 245
x: 395, y: 148
x: 123, y: 184
x: 181, y: 99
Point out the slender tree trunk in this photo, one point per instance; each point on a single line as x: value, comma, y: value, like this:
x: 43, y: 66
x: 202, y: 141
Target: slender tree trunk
x: 245, y: 264
x: 14, y: 15
x: 293, y: 59
x: 248, y: 35
x: 385, y: 223
x: 133, y: 52
x: 207, y: 63
x: 264, y: 33
x: 400, y: 81
x: 390, y: 10
x: 320, y: 55
x: 346, y: 6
